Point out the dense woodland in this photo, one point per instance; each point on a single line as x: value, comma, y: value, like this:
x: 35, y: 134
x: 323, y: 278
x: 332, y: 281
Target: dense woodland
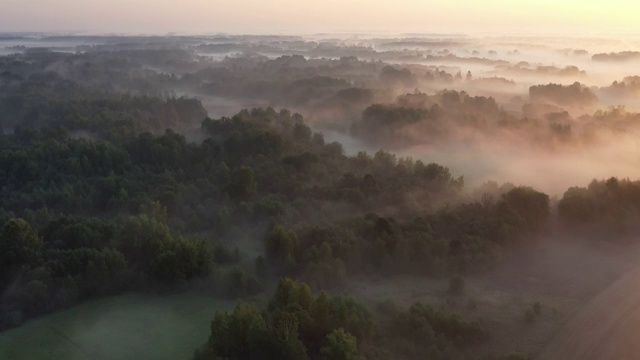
x: 364, y: 97
x: 110, y: 183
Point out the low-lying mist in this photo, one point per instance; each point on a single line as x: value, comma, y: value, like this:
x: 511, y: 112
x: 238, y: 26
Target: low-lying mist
x: 482, y: 160
x: 217, y: 166
x: 551, y: 172
x: 552, y: 141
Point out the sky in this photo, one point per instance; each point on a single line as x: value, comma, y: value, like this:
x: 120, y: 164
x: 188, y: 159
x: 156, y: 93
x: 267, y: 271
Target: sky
x: 322, y: 16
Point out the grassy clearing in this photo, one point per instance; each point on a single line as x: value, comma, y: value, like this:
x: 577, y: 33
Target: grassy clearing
x: 124, y: 327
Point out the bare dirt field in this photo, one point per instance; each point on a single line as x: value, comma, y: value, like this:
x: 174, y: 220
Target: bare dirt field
x: 605, y: 329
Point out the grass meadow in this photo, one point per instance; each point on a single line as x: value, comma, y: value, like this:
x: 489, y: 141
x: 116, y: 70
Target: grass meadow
x: 125, y: 327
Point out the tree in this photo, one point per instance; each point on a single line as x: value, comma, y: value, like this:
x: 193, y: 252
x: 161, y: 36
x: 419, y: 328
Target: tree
x: 20, y: 245
x: 155, y: 211
x: 288, y: 293
x: 243, y: 184
x: 141, y: 239
x: 340, y: 345
x: 281, y: 244
x: 576, y: 206
x: 529, y: 205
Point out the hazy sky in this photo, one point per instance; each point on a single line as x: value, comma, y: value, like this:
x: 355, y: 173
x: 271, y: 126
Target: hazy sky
x: 312, y: 16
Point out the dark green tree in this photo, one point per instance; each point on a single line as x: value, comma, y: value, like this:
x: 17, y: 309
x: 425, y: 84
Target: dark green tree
x: 340, y: 345
x: 20, y: 245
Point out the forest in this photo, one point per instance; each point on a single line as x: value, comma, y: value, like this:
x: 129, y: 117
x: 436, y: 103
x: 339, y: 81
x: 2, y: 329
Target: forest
x: 292, y: 177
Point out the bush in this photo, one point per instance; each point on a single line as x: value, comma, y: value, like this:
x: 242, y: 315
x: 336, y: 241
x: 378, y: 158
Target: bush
x: 425, y: 327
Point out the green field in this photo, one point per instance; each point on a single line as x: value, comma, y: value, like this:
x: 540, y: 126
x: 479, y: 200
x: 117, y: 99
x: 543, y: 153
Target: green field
x: 123, y: 327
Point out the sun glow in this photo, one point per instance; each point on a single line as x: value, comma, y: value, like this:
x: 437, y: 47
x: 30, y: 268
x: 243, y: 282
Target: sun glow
x: 284, y: 16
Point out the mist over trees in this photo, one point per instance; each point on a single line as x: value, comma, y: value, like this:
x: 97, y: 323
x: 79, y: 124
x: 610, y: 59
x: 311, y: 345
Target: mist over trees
x: 617, y: 56
x: 572, y: 95
x: 300, y: 325
x: 207, y: 165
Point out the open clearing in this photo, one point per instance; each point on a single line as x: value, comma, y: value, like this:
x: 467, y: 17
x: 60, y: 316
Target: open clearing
x: 119, y: 328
